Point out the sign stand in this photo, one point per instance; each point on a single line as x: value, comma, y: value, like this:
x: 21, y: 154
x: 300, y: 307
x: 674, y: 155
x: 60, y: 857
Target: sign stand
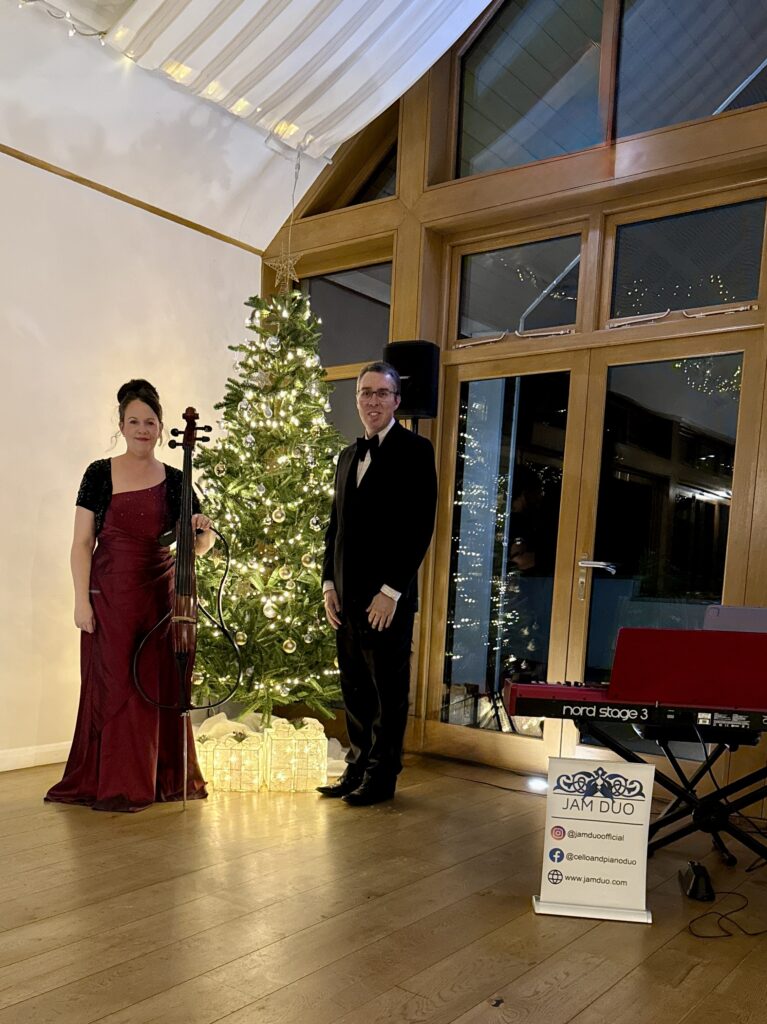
x: 595, y: 847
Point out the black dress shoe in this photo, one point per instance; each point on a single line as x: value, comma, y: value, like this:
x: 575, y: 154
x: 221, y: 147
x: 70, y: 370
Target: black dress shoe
x: 347, y: 783
x: 371, y: 791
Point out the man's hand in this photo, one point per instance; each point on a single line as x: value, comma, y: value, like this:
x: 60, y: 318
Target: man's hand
x: 332, y: 608
x: 381, y: 611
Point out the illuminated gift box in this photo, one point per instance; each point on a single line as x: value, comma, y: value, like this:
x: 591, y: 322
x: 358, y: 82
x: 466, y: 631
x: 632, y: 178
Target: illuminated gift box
x: 296, y: 758
x: 233, y: 763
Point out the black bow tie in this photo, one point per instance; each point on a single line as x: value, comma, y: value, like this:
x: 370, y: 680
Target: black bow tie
x: 365, y: 445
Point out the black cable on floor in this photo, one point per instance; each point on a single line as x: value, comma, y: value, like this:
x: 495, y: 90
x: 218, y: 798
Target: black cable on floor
x: 720, y: 918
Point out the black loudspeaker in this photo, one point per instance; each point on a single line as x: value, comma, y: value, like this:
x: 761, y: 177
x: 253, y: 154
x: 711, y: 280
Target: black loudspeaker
x: 417, y: 363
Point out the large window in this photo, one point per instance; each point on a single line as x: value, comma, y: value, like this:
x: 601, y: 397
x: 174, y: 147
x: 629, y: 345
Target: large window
x: 504, y: 537
x: 704, y: 258
x: 687, y: 60
x: 522, y: 288
x: 530, y: 85
x: 354, y: 308
x: 535, y: 83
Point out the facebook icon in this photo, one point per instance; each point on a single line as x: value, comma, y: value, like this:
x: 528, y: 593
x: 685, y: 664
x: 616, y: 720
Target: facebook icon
x: 556, y: 855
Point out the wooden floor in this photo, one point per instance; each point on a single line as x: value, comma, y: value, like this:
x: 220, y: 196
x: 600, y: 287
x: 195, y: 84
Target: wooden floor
x: 273, y: 908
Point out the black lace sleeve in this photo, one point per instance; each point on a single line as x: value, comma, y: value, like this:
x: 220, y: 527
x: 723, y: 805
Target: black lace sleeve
x: 91, y: 492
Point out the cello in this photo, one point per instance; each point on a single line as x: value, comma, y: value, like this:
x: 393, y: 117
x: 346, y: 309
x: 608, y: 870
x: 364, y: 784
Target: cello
x: 183, y: 613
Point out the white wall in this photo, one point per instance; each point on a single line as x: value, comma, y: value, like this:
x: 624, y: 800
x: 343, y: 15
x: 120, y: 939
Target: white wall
x: 83, y: 107
x: 94, y: 291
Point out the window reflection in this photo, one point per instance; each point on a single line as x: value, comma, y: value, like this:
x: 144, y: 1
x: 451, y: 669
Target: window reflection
x: 506, y: 514
x: 703, y: 258
x: 354, y: 307
x: 664, y: 497
x: 343, y: 409
x: 522, y: 287
x: 530, y: 85
x: 688, y: 60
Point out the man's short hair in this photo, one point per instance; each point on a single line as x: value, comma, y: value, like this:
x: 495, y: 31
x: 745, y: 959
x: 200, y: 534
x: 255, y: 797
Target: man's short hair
x: 381, y: 367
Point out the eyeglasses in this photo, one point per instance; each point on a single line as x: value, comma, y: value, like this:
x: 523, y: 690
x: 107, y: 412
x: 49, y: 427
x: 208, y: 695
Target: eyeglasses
x: 368, y: 394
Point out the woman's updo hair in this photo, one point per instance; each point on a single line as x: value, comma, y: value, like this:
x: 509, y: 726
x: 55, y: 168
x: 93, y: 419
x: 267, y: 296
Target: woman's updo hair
x: 142, y: 391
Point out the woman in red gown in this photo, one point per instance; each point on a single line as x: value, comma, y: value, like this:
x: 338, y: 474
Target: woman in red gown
x: 127, y: 753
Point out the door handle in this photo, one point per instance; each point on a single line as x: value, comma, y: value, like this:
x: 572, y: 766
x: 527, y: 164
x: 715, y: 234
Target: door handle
x: 587, y: 563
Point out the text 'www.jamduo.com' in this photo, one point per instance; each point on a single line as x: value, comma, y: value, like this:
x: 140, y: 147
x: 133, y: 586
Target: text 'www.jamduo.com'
x: 592, y: 880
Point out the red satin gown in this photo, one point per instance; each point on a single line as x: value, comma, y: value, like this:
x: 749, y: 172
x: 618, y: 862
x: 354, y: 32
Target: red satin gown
x: 126, y: 753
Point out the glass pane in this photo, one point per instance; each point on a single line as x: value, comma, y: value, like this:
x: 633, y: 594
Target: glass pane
x: 704, y: 258
x: 664, y: 498
x: 354, y: 309
x: 525, y: 287
x: 506, y: 514
x: 530, y: 85
x: 687, y: 60
x: 382, y: 182
x: 343, y: 409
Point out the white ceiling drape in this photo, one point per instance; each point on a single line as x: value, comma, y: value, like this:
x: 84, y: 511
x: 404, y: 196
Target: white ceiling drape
x: 310, y: 73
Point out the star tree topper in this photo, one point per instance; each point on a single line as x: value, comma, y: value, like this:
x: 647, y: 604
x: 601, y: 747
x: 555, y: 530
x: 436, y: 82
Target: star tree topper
x: 284, y: 267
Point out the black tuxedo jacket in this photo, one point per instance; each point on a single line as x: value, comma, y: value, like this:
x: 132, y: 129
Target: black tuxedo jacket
x: 379, y: 532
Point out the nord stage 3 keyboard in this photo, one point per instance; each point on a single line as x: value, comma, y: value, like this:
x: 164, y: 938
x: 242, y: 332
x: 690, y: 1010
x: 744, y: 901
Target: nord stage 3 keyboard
x: 593, y: 705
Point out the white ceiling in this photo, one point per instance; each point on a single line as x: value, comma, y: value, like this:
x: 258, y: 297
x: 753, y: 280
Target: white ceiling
x: 308, y: 73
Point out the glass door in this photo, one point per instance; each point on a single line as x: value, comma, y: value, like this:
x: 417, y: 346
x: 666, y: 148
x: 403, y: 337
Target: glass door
x: 510, y: 469
x: 666, y: 498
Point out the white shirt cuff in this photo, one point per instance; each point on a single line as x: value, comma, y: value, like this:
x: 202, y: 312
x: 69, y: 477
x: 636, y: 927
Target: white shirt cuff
x: 395, y: 595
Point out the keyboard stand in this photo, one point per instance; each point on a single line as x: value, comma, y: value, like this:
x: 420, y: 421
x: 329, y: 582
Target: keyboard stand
x: 710, y: 812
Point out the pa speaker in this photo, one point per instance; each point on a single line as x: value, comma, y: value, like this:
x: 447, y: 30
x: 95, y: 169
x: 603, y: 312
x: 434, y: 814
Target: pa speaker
x: 417, y: 363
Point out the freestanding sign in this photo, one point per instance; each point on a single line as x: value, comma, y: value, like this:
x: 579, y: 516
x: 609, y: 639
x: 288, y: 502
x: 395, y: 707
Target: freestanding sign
x: 595, y: 847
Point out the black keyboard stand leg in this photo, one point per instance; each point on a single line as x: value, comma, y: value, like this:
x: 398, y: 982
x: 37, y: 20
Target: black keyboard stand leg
x: 719, y: 845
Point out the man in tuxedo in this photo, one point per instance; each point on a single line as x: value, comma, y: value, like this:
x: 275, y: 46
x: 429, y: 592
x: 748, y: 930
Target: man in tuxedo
x: 380, y: 526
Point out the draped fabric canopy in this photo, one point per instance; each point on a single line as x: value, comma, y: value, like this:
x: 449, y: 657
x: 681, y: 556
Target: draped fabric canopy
x: 310, y: 73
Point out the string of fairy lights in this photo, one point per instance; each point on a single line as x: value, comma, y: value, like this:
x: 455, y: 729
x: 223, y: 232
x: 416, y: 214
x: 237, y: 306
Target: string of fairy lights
x: 74, y: 26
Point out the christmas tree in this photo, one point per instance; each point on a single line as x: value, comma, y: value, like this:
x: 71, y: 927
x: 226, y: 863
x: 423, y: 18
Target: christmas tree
x: 267, y: 483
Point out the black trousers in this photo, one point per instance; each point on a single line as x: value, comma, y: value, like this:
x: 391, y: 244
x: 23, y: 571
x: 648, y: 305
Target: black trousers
x: 375, y: 683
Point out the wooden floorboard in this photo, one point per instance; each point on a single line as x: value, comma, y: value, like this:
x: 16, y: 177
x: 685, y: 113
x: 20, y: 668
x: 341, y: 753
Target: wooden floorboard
x: 277, y: 909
